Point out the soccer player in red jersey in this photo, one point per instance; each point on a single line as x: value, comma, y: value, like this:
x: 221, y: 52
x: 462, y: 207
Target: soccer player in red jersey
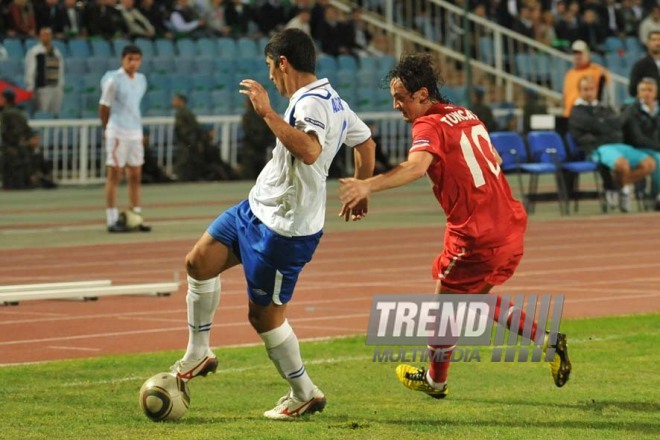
x: 483, y: 242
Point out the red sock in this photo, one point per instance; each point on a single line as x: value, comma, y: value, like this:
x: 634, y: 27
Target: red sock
x: 511, y: 314
x: 438, y: 369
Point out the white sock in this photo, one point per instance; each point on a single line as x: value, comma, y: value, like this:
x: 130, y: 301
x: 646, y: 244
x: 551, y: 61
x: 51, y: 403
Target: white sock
x: 111, y: 216
x: 203, y: 298
x: 284, y: 350
x: 434, y: 384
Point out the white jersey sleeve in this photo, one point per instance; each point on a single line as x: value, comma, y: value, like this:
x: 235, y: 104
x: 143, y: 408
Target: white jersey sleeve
x: 311, y: 116
x: 108, y: 90
x: 357, y: 132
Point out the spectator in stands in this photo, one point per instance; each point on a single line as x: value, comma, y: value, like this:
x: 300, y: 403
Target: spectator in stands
x: 135, y: 24
x: 271, y: 17
x: 544, y: 27
x: 189, y: 160
x: 40, y: 169
x: 483, y: 110
x: 186, y: 22
x: 592, y: 31
x: 646, y: 67
x: 298, y: 5
x: 318, y: 17
x: 360, y: 36
x: 333, y: 34
x: 301, y: 21
x: 582, y: 66
x: 241, y: 17
x: 523, y: 23
x: 642, y: 128
x: 74, y: 24
x: 613, y: 19
x: 256, y: 146
x: 51, y: 14
x: 44, y: 73
x: 156, y: 16
x: 14, y: 133
x: 650, y: 23
x: 216, y: 19
x: 598, y: 130
x: 22, y: 22
x: 102, y: 19
x: 630, y: 19
x: 568, y: 24
x: 151, y: 171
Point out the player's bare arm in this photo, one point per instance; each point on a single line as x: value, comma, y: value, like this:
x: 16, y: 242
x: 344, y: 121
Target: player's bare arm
x: 364, y: 156
x: 352, y: 190
x: 304, y: 146
x: 104, y: 115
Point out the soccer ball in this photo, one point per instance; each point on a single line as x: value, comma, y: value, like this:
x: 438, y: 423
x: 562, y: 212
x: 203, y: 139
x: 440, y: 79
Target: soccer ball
x: 164, y: 397
x: 131, y: 219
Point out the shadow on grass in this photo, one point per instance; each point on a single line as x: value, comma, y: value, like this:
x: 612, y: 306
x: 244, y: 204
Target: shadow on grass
x: 591, y: 404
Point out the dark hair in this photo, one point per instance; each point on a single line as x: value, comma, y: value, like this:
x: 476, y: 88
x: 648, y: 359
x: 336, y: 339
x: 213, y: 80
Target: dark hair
x: 182, y: 97
x: 296, y: 46
x: 130, y: 49
x: 416, y: 70
x: 9, y: 95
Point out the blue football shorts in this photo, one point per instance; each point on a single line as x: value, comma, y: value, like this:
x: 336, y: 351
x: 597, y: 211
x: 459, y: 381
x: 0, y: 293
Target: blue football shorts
x: 271, y: 262
x: 608, y: 154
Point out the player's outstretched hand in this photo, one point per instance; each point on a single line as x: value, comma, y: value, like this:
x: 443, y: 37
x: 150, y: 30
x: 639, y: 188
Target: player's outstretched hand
x: 353, y: 194
x: 357, y: 213
x: 258, y: 95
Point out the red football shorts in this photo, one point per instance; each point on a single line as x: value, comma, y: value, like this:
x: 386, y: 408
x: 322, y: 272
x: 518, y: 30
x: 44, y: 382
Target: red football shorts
x: 465, y: 270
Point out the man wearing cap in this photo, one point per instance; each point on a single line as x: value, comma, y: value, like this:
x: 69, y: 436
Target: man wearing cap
x: 582, y: 66
x: 14, y: 132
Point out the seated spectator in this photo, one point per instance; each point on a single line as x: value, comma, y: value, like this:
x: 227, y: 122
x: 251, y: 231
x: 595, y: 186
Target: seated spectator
x: 241, y: 18
x: 197, y: 158
x: 186, y: 22
x: 151, y: 171
x: 592, y: 31
x: 40, y: 169
x: 582, y: 66
x: 271, y: 17
x: 599, y: 132
x: 256, y: 146
x: 630, y: 19
x: 650, y: 23
x: 135, y: 24
x: 360, y: 36
x: 567, y: 27
x: 50, y: 14
x: 14, y: 133
x: 333, y: 35
x: 102, y: 19
x: 22, y: 21
x: 216, y: 19
x: 156, y: 15
x: 301, y: 21
x: 74, y: 24
x: 642, y: 128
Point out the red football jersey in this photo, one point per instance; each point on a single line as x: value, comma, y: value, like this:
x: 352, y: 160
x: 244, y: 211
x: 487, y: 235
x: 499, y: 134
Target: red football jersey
x: 467, y: 180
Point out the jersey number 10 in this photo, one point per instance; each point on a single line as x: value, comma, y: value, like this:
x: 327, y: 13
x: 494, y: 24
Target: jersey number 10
x: 469, y: 145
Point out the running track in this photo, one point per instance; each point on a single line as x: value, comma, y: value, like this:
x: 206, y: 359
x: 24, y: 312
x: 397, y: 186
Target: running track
x: 604, y: 265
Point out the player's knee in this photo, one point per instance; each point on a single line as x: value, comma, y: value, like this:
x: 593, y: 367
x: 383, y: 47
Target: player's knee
x: 194, y: 264
x: 621, y: 165
x: 648, y: 165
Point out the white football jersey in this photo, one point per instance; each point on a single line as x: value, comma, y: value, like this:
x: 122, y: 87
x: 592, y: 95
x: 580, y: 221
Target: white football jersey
x: 289, y: 197
x: 123, y: 95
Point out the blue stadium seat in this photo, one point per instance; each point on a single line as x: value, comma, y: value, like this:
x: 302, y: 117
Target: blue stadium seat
x: 179, y: 84
x: 511, y: 148
x: 247, y: 67
x: 186, y: 48
x: 159, y: 81
x: 29, y: 43
x: 14, y: 48
x: 613, y: 44
x: 99, y: 65
x: 118, y: 45
x: 163, y: 64
x: 101, y: 48
x: 222, y: 81
x: 205, y: 65
x: 206, y: 47
x: 325, y: 62
x: 146, y: 46
x: 366, y: 99
x: 201, y: 82
x: 75, y: 66
x: 11, y: 67
x: 42, y: 115
x: 347, y: 62
x: 227, y: 48
x: 185, y: 66
x: 79, y: 49
x: 62, y: 47
x: 222, y: 102
x: 247, y: 48
x: 165, y: 48
x: 368, y: 63
x: 201, y: 99
x: 386, y: 63
x: 157, y: 99
x: 91, y: 83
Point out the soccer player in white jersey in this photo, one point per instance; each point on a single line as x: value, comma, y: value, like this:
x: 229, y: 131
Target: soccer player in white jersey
x: 119, y: 110
x: 275, y: 232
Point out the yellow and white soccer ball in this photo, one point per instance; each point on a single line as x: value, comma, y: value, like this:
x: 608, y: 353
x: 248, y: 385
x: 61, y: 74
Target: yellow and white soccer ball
x: 133, y: 219
x: 165, y: 397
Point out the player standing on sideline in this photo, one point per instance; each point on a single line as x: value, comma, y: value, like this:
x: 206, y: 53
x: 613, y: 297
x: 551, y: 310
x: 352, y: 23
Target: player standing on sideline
x: 119, y: 110
x: 275, y: 232
x: 483, y: 241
